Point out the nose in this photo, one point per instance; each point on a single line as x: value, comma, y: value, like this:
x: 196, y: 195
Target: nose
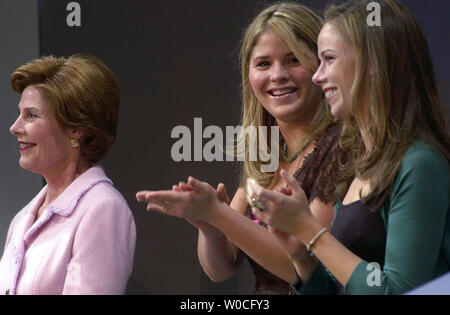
x: 279, y: 73
x: 16, y: 129
x: 318, y: 78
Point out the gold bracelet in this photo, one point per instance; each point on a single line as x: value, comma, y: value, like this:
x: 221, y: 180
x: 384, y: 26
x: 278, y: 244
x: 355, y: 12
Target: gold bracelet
x: 315, y: 238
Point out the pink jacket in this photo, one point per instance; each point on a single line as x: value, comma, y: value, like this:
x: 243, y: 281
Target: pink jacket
x: 82, y: 244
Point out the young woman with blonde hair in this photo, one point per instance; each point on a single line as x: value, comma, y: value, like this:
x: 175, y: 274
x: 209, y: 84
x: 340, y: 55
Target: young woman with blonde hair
x: 391, y: 231
x: 277, y: 61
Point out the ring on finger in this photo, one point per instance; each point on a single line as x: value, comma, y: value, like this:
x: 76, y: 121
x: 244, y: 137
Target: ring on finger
x: 257, y: 203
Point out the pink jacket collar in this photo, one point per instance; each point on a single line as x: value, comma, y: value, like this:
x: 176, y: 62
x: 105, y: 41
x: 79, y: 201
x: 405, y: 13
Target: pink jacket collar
x: 64, y: 205
x: 66, y: 202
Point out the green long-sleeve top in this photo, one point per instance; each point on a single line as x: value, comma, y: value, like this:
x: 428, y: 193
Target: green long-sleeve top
x: 417, y: 221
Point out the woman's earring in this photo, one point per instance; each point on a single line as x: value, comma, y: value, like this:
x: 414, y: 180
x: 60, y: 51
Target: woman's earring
x: 75, y: 143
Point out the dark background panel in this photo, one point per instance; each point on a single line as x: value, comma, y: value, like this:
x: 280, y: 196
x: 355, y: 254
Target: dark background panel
x: 19, y: 42
x: 177, y: 60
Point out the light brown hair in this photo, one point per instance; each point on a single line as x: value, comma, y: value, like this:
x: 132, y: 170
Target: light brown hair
x: 83, y: 94
x: 394, y: 98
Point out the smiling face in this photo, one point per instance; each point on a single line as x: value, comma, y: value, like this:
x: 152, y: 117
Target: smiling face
x: 44, y: 146
x: 336, y: 72
x: 280, y: 83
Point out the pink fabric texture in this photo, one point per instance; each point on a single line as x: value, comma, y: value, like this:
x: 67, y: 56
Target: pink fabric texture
x: 82, y: 244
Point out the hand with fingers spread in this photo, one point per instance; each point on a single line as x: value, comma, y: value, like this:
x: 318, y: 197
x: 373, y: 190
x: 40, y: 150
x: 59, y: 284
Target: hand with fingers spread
x: 221, y: 191
x: 222, y: 195
x: 203, y: 207
x: 194, y: 200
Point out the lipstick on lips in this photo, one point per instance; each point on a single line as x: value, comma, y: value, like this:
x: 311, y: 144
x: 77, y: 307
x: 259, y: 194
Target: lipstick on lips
x: 23, y: 146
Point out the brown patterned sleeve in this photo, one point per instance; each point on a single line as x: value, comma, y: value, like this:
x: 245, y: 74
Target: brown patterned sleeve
x: 327, y: 167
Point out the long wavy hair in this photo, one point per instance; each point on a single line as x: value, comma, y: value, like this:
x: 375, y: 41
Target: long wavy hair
x: 394, y: 98
x: 298, y: 27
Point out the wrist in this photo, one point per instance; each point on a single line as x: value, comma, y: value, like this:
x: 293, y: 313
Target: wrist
x: 216, y: 213
x: 314, y: 239
x: 307, y: 235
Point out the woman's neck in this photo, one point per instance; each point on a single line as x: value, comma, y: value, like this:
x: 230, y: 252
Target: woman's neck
x: 293, y: 136
x: 58, y: 181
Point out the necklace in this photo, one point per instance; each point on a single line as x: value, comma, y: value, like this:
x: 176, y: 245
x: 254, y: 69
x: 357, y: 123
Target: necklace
x: 295, y: 155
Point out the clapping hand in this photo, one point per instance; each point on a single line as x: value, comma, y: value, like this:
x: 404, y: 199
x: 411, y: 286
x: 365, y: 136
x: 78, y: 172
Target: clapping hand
x: 285, y: 211
x: 194, y: 200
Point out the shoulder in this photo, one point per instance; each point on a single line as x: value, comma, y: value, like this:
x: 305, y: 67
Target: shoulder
x: 323, y: 166
x: 104, y: 196
x: 423, y: 160
x: 93, y: 195
x: 422, y: 154
x: 331, y: 134
x: 105, y: 192
x: 422, y: 180
x: 328, y: 149
x: 104, y: 209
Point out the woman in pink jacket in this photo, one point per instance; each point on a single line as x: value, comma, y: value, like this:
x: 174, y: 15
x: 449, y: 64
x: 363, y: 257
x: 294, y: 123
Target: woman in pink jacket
x: 77, y: 236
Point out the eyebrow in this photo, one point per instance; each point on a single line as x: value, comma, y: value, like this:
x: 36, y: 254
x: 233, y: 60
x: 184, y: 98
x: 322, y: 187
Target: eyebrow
x: 266, y: 57
x: 29, y: 108
x: 326, y: 50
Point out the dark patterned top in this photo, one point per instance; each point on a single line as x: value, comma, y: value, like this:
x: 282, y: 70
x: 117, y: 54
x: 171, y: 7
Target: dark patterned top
x: 317, y: 177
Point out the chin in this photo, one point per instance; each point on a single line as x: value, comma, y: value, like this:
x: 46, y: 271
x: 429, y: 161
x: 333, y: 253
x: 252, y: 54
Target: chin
x: 286, y: 117
x: 26, y: 166
x: 337, y: 111
x: 23, y: 164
